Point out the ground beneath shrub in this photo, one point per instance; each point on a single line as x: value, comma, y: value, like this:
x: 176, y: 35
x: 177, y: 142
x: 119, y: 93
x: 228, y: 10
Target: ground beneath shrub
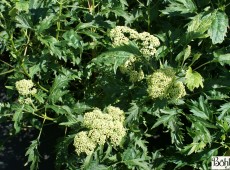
x: 13, y: 149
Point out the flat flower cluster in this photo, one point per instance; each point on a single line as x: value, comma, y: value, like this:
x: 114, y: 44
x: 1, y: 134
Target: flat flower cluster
x: 163, y: 84
x: 128, y: 68
x: 25, y: 88
x: 147, y: 43
x: 102, y: 127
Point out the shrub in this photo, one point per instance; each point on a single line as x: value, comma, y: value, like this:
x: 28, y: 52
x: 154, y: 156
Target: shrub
x: 129, y: 85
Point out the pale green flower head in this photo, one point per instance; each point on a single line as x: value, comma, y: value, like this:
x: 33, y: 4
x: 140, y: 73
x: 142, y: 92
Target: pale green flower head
x: 146, y: 42
x: 123, y: 31
x: 119, y: 35
x: 97, y: 136
x: 28, y: 100
x: 177, y: 90
x: 135, y: 76
x: 83, y: 144
x: 33, y: 91
x: 25, y: 87
x: 90, y: 117
x: 117, y: 133
x: 159, y: 83
x: 99, y: 124
x: 116, y: 113
x: 121, y: 40
x: 102, y: 127
x: 128, y: 65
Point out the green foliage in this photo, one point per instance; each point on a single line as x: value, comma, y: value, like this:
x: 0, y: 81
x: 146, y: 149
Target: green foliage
x: 219, y: 27
x: 65, y: 49
x: 33, y: 154
x: 193, y: 79
x: 180, y: 7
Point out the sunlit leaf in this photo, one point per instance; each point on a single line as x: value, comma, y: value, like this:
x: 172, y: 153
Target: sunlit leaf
x: 178, y: 7
x: 193, y: 79
x: 219, y: 27
x: 199, y: 25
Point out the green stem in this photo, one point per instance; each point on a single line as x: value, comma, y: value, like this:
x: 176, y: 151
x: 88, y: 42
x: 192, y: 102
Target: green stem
x: 227, y: 5
x: 59, y: 22
x: 13, y: 45
x: 149, y: 22
x: 41, y: 87
x: 9, y: 71
x: 40, y: 132
x: 28, y: 40
x: 45, y: 117
x: 25, y: 71
x: 91, y: 5
x: 6, y: 63
x: 140, y: 3
x: 203, y: 65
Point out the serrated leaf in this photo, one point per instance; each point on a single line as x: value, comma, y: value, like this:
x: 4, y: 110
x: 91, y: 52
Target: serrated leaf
x: 222, y: 58
x: 22, y: 5
x: 40, y: 96
x: 23, y: 21
x: 219, y: 27
x: 132, y: 113
x: 45, y: 24
x: 201, y: 109
x: 193, y: 147
x: 115, y: 57
x: 138, y: 162
x: 178, y: 7
x: 33, y: 155
x: 205, y: 123
x: 130, y: 158
x: 34, y: 4
x: 6, y: 3
x: 217, y: 95
x: 224, y: 109
x: 199, y: 130
x: 193, y: 79
x: 94, y: 165
x: 120, y: 12
x: 87, y: 161
x: 53, y: 46
x: 199, y: 25
x: 172, y: 121
x: 83, y: 26
x: 124, y: 2
x: 57, y: 89
x: 17, y: 117
x: 34, y: 69
x: 195, y: 58
x: 165, y: 118
x: 72, y: 38
x: 185, y: 54
x: 59, y: 109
